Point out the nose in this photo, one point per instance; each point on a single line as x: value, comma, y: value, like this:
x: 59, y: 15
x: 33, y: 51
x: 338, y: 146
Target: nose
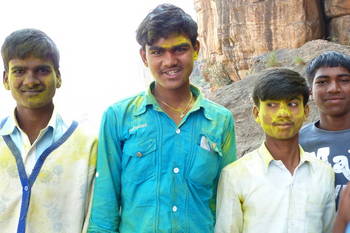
x: 30, y: 80
x: 333, y: 87
x: 170, y: 59
x: 283, y: 111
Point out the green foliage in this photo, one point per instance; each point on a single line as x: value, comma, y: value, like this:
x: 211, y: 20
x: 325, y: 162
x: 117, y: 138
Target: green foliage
x: 299, y: 61
x: 272, y: 60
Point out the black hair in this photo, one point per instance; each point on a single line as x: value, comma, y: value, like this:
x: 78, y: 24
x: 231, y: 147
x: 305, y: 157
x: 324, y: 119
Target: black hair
x: 164, y: 20
x: 24, y: 43
x: 278, y: 84
x: 326, y: 59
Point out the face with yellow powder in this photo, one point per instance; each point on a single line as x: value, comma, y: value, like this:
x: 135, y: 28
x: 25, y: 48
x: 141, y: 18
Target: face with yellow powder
x: 32, y: 82
x: 281, y: 119
x: 170, y: 60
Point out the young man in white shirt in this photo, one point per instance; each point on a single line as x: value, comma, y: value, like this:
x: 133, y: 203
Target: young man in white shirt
x: 277, y: 188
x: 47, y: 162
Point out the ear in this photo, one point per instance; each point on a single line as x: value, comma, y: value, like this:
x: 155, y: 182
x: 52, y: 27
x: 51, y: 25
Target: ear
x: 59, y: 81
x: 310, y: 94
x: 5, y: 80
x: 306, y: 111
x: 196, y: 50
x: 256, y: 113
x: 143, y: 56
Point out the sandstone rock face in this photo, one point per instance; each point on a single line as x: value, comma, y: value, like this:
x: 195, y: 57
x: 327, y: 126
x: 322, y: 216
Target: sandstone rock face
x: 237, y: 96
x: 232, y: 32
x: 338, y: 11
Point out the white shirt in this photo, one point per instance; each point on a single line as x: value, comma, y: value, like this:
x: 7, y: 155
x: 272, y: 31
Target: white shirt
x: 259, y: 194
x: 47, y: 136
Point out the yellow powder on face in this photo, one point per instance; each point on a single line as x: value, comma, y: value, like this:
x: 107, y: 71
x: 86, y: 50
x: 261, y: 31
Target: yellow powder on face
x: 282, y: 121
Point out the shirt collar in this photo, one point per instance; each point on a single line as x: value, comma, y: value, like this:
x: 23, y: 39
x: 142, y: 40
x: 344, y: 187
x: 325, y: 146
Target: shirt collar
x: 150, y: 100
x: 11, y: 123
x: 267, y: 157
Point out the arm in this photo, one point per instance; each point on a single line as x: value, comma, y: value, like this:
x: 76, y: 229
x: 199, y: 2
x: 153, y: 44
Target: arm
x: 105, y: 212
x: 229, y: 216
x: 229, y: 146
x: 329, y: 208
x: 343, y: 215
x: 228, y: 150
x: 92, y: 173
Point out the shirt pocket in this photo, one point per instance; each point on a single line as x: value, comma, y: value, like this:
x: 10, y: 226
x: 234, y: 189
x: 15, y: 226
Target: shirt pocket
x: 139, y: 160
x: 206, y: 159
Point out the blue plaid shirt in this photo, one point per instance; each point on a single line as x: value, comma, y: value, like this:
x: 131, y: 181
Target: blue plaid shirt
x: 156, y: 176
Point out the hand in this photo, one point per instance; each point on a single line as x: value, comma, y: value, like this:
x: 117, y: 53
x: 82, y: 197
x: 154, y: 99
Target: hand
x: 343, y: 215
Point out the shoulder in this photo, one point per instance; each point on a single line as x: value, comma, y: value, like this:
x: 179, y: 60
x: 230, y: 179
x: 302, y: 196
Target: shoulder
x: 319, y: 165
x: 129, y: 102
x: 216, y: 111
x: 243, y: 165
x: 126, y: 106
x: 307, y: 128
x: 84, y: 134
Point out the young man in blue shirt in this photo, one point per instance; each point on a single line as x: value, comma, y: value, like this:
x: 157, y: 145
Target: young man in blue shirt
x: 328, y: 76
x: 161, y: 152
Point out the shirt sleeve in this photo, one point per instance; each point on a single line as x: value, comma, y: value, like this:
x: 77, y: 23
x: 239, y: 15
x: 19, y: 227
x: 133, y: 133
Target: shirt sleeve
x: 105, y: 212
x: 229, y: 145
x: 329, y: 208
x: 92, y: 172
x: 228, y: 151
x: 229, y: 216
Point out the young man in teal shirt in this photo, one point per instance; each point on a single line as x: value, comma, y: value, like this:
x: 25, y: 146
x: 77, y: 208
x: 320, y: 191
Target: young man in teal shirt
x: 161, y: 152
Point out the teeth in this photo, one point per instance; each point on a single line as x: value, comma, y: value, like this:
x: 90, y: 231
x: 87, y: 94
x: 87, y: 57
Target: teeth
x: 172, y: 72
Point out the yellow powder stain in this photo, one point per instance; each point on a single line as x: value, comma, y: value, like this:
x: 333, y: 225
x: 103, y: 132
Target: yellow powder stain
x: 45, y: 176
x: 268, y: 117
x: 175, y: 41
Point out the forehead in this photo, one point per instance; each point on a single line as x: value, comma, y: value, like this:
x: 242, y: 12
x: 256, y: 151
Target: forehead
x: 329, y: 71
x: 30, y: 61
x: 171, y: 41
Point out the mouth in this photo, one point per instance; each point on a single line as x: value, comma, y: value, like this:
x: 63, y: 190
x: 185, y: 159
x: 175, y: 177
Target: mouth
x: 172, y: 73
x: 283, y: 125
x: 31, y: 92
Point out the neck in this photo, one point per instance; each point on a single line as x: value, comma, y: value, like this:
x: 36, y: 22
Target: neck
x: 286, y: 150
x: 174, y: 97
x: 31, y: 121
x: 333, y: 123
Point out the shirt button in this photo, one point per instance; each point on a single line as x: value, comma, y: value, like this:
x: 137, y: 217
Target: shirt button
x: 26, y: 188
x: 174, y: 208
x: 178, y: 131
x: 176, y: 170
x: 139, y: 154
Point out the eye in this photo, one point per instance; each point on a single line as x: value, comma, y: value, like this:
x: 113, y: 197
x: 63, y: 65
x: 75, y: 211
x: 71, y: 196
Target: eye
x: 320, y: 81
x: 180, y: 49
x: 155, y: 52
x: 43, y: 71
x: 345, y: 80
x: 293, y: 104
x: 18, y: 72
x: 272, y: 104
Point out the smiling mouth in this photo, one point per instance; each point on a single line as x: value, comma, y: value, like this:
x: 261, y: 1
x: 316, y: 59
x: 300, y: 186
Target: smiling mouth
x: 31, y: 92
x: 172, y: 72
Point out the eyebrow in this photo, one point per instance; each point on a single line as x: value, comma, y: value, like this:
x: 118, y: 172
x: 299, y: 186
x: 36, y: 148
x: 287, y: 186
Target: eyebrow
x: 154, y: 47
x: 24, y: 67
x: 339, y: 75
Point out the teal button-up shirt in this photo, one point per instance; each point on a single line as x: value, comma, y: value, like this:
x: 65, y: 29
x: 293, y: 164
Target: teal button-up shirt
x: 156, y: 176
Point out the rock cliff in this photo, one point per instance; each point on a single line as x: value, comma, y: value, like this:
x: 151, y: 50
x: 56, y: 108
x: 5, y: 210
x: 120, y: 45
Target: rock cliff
x: 233, y: 32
